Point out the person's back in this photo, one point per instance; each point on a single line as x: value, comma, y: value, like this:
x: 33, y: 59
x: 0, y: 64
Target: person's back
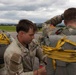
x: 64, y: 68
x: 70, y: 22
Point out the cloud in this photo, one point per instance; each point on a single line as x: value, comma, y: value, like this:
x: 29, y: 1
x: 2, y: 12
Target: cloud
x: 35, y: 10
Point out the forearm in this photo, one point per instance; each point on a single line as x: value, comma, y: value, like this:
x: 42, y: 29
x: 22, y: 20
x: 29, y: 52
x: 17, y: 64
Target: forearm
x: 55, y: 20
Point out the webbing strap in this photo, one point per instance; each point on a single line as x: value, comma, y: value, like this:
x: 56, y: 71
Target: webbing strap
x: 64, y: 40
x: 4, y: 39
x: 58, y: 53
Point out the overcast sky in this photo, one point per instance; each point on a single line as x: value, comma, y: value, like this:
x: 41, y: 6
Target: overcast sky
x: 38, y: 11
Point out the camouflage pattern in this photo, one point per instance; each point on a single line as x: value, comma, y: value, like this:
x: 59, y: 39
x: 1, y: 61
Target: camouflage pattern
x: 19, y: 60
x: 2, y: 50
x: 50, y: 38
x: 62, y: 68
x: 47, y: 31
x: 68, y: 31
x: 48, y: 26
x: 55, y: 20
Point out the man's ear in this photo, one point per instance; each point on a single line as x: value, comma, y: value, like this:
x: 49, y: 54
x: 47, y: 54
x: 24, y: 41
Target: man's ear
x: 21, y: 32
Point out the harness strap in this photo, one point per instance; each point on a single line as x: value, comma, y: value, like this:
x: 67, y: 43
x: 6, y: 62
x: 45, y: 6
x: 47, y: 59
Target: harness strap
x: 4, y: 39
x: 58, y: 53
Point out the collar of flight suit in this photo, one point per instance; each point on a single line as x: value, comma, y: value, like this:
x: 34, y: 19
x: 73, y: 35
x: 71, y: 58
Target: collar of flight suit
x: 72, y: 30
x: 23, y: 48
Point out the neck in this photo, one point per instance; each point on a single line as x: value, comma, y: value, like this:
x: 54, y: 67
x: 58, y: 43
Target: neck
x: 20, y: 40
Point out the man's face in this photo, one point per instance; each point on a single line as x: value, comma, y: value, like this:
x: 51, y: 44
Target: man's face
x: 28, y: 36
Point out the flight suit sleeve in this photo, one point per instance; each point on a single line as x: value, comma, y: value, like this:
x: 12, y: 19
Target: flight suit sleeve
x: 16, y: 66
x: 40, y: 55
x: 55, y: 20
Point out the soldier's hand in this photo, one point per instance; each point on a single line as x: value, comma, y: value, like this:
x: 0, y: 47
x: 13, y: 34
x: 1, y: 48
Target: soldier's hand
x: 42, y: 71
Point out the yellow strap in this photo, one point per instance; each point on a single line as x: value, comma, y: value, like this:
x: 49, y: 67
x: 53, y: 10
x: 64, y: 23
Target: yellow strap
x: 58, y: 53
x: 4, y: 39
x: 63, y: 40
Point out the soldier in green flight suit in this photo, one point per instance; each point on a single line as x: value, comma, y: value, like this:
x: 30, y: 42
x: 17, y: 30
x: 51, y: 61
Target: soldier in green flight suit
x: 69, y: 17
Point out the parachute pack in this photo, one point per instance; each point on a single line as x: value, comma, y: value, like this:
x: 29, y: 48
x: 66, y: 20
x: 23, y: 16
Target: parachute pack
x: 57, y: 42
x: 4, y: 42
x: 61, y: 48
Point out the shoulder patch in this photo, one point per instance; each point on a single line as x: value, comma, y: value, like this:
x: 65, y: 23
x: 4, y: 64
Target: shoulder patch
x: 16, y: 58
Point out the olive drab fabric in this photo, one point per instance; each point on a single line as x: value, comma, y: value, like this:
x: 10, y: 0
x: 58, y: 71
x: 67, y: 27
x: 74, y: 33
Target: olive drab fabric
x: 55, y: 20
x: 50, y: 38
x: 64, y: 68
x: 5, y: 40
x: 47, y: 31
x: 21, y: 59
x: 50, y: 68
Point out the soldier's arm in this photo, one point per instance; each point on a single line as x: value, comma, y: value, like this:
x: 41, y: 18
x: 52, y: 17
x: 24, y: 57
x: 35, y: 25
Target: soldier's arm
x: 35, y: 45
x: 49, y: 67
x: 55, y: 20
x: 16, y: 66
x: 40, y: 55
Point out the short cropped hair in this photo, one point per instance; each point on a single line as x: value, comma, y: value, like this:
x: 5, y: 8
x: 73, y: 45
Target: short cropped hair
x: 25, y: 25
x: 70, y: 14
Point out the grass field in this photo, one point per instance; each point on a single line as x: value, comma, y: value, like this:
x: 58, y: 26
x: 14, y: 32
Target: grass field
x: 12, y: 28
x: 8, y: 28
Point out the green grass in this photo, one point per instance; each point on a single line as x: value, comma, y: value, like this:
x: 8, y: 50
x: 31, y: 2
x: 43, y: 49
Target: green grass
x: 8, y: 28
x: 13, y: 28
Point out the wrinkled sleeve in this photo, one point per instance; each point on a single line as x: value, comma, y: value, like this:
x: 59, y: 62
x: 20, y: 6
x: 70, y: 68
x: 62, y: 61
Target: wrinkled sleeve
x: 16, y: 67
x: 40, y: 55
x: 55, y: 20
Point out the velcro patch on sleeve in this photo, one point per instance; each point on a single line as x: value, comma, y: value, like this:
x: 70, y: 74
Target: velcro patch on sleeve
x: 16, y: 58
x: 15, y: 62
